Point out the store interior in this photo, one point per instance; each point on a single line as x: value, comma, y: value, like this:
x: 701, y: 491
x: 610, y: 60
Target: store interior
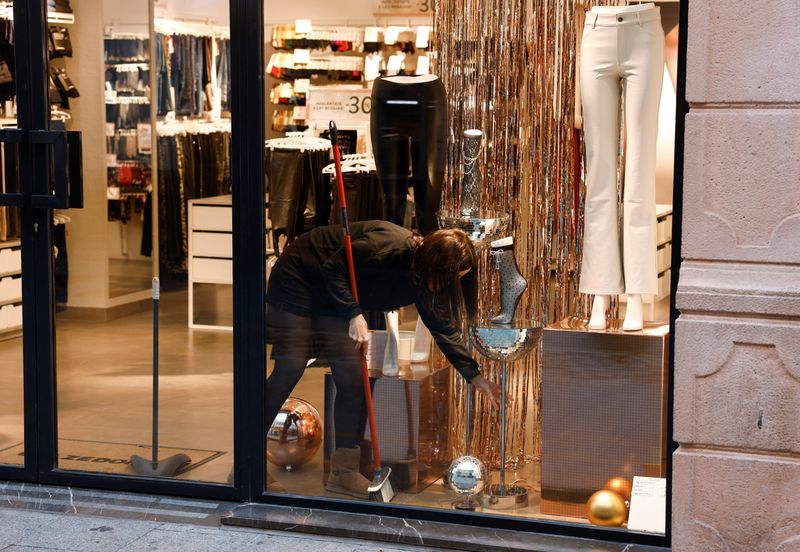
x: 148, y: 84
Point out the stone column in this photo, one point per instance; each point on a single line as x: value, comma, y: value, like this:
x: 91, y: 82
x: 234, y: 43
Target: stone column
x: 736, y: 479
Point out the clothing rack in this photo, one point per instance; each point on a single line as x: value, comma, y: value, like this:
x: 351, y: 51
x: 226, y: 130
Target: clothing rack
x: 191, y: 27
x: 353, y: 163
x: 299, y: 141
x: 174, y: 127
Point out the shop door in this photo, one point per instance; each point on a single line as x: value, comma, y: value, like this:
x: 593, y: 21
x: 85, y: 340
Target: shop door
x: 78, y: 382
x: 41, y: 177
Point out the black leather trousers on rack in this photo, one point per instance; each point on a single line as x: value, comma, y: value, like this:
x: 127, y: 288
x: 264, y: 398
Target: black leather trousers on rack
x: 299, y: 194
x: 409, y: 128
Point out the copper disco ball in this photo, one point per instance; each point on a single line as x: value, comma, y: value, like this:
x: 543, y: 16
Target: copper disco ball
x: 295, y: 435
x: 607, y: 508
x: 620, y: 485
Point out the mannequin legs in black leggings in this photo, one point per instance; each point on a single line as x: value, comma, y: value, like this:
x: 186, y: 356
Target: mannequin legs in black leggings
x: 409, y: 122
x: 292, y: 337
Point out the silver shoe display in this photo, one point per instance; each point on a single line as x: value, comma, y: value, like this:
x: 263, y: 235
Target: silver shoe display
x: 512, y: 283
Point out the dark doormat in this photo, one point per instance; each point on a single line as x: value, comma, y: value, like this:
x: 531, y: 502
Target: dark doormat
x: 104, y: 457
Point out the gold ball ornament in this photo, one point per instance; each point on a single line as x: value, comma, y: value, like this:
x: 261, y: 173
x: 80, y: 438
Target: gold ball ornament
x: 607, y: 508
x: 620, y: 485
x: 295, y: 435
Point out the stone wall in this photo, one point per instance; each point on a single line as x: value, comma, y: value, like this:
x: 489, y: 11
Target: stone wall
x: 736, y: 479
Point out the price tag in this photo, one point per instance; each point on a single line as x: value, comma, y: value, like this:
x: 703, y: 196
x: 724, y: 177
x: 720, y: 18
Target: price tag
x: 110, y: 130
x: 402, y: 7
x: 144, y: 138
x: 299, y: 113
x: 423, y: 65
x: 391, y: 35
x: 648, y: 505
x: 351, y: 106
x: 423, y: 37
x: 302, y: 56
x: 371, y: 34
x: 301, y: 86
x: 302, y: 26
x: 395, y: 63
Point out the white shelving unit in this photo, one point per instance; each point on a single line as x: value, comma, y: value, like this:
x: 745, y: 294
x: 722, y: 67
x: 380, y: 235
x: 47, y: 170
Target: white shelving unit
x: 10, y: 286
x: 211, y: 248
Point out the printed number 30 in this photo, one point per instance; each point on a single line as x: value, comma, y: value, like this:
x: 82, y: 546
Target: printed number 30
x: 363, y: 105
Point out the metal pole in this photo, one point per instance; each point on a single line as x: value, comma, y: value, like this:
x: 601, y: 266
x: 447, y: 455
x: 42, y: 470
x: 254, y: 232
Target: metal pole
x: 503, y: 431
x: 469, y: 405
x: 156, y: 294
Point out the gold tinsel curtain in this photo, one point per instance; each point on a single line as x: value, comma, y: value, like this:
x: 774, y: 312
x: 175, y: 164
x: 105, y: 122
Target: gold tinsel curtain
x: 509, y: 70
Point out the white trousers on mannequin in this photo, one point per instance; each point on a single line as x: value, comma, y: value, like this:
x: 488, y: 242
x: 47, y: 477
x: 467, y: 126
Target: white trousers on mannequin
x: 622, y: 53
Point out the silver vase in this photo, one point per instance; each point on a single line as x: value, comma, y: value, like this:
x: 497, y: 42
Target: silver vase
x: 471, y: 181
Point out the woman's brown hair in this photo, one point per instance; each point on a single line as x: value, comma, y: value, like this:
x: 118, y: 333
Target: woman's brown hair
x: 438, y: 262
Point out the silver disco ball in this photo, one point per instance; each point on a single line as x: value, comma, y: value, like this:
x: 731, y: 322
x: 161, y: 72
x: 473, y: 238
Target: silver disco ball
x: 467, y: 475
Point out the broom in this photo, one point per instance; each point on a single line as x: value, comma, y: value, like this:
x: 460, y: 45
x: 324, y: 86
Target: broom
x: 380, y: 489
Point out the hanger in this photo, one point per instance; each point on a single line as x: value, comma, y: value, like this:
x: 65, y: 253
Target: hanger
x: 59, y: 115
x: 299, y: 141
x: 353, y: 163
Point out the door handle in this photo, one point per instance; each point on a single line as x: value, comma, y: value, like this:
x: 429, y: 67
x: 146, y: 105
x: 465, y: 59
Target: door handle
x: 67, y: 165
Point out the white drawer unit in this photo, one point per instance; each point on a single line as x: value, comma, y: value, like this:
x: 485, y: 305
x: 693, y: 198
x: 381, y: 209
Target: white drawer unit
x: 212, y: 271
x: 10, y: 317
x: 10, y: 261
x: 11, y: 289
x: 211, y: 248
x: 10, y: 286
x: 212, y: 244
x: 216, y: 218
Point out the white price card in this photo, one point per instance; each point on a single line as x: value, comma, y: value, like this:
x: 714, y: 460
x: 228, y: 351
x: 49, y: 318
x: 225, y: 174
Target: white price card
x: 371, y: 34
x: 301, y: 86
x: 302, y: 26
x: 144, y: 138
x: 423, y: 65
x: 343, y: 105
x: 299, y: 113
x: 302, y: 56
x: 648, y: 505
x: 423, y: 36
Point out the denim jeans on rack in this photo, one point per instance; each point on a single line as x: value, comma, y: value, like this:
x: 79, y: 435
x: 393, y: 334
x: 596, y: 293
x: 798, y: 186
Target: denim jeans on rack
x: 164, y: 97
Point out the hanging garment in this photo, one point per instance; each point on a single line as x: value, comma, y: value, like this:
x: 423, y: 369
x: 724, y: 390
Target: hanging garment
x: 409, y: 128
x: 299, y: 194
x: 626, y: 45
x: 191, y: 166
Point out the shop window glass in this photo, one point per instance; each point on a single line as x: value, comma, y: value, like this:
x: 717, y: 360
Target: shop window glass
x: 159, y: 206
x: 510, y: 214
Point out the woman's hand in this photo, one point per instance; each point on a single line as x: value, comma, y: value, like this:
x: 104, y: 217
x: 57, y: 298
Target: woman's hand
x: 359, y: 332
x: 488, y: 389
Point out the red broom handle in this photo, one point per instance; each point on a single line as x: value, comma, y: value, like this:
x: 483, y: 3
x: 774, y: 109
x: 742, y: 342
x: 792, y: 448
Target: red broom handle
x: 351, y: 269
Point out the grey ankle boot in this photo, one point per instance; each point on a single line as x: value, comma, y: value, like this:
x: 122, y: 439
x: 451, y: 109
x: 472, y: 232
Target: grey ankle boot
x: 512, y: 283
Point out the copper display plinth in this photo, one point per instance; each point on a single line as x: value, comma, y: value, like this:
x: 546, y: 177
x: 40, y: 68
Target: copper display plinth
x: 411, y: 412
x: 603, y: 410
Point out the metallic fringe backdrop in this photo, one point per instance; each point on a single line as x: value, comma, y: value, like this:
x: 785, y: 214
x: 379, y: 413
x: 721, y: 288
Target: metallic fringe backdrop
x: 509, y: 70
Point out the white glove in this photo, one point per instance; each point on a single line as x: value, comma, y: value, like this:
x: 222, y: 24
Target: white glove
x: 359, y: 332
